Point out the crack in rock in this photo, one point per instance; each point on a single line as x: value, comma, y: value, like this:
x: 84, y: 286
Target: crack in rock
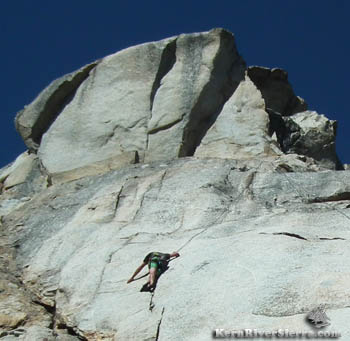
x: 118, y: 200
x: 335, y: 238
x: 166, y: 126
x: 294, y: 235
x: 159, y: 324
x: 151, y: 304
x: 167, y: 62
x: 57, y: 323
x: 335, y: 197
x: 202, y: 117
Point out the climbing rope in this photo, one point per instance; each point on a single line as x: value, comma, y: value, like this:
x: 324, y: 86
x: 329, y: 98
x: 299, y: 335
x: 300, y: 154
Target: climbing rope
x: 300, y: 190
x: 232, y: 204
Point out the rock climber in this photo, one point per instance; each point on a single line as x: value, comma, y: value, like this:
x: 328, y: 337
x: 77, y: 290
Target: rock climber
x: 157, y: 263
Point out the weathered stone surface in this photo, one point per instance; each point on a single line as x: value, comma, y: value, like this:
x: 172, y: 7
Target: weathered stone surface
x: 215, y: 212
x: 18, y: 172
x: 35, y: 119
x: 98, y: 167
x: 306, y: 133
x: 110, y: 104
x: 157, y: 99
x: 16, y: 303
x: 20, y: 181
x: 317, y: 138
x: 207, y: 70
x: 276, y: 90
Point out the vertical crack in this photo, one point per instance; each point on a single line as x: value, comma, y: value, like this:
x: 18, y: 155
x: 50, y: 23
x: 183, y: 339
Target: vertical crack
x: 118, y: 200
x: 228, y: 70
x: 167, y: 61
x: 108, y: 261
x: 161, y: 183
x: 159, y: 324
x: 151, y: 304
x: 249, y: 185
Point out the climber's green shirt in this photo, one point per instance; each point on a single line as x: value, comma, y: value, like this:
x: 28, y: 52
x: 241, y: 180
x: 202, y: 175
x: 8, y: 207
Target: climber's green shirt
x: 157, y: 260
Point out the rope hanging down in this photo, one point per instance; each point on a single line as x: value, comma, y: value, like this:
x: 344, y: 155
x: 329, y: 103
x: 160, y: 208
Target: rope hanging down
x: 298, y: 189
x: 233, y: 203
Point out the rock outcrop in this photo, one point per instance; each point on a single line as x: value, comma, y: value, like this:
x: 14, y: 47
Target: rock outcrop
x: 172, y: 146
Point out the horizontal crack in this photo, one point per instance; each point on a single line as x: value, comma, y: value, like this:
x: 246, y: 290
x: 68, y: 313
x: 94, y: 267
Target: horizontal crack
x: 166, y: 126
x: 294, y: 235
x: 335, y: 197
x: 335, y: 238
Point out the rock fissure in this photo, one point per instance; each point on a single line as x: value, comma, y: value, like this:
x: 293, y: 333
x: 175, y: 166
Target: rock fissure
x: 203, y: 113
x: 343, y: 196
x: 108, y: 261
x: 118, y: 200
x: 249, y: 183
x: 335, y: 238
x: 166, y: 126
x: 57, y: 324
x: 167, y: 61
x: 51, y: 310
x: 72, y: 331
x: 161, y: 183
x: 151, y: 303
x: 294, y: 235
x: 159, y: 324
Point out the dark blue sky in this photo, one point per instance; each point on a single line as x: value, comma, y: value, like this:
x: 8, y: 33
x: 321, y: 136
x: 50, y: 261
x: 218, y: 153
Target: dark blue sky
x: 42, y: 40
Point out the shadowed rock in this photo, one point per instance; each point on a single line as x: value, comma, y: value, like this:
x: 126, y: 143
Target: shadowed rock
x: 35, y: 119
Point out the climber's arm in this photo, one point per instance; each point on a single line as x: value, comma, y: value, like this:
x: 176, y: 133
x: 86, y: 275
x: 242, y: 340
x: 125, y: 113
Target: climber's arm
x: 136, y: 272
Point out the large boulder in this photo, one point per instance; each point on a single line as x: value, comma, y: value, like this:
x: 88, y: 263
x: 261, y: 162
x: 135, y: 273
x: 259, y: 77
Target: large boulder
x: 276, y: 90
x: 317, y: 138
x: 306, y: 133
x: 241, y: 131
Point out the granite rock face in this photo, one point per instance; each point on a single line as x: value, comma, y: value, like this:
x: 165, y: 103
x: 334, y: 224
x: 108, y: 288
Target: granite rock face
x: 35, y: 119
x: 276, y: 90
x: 258, y: 247
x: 172, y: 146
x: 242, y: 128
x: 159, y: 100
x: 156, y: 99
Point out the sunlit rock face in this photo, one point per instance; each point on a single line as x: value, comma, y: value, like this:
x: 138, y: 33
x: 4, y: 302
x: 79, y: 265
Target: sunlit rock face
x: 172, y: 146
